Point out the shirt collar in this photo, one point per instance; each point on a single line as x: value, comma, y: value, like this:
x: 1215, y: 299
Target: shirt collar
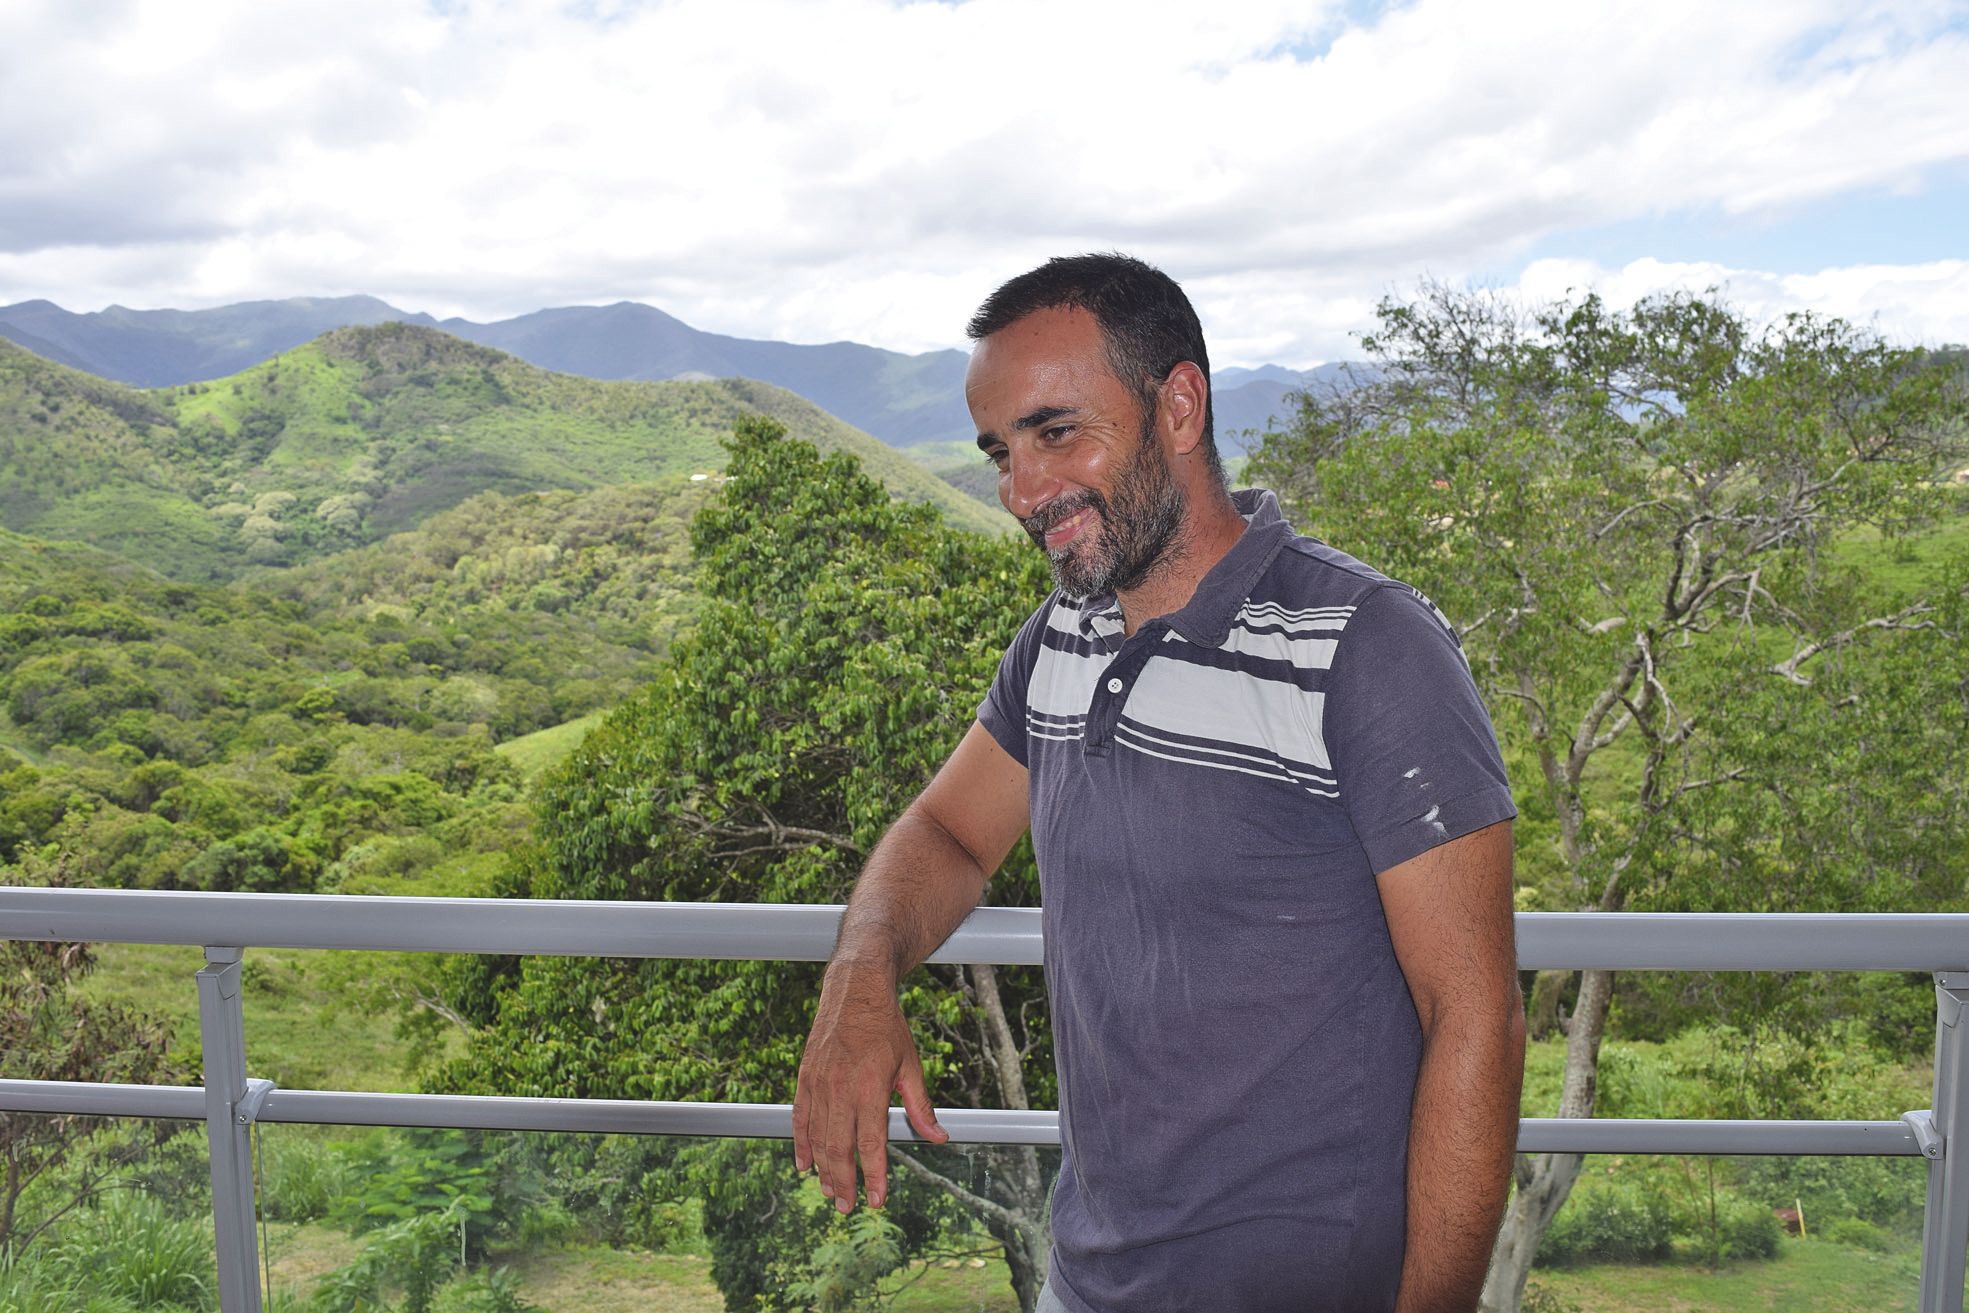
x: 1206, y: 618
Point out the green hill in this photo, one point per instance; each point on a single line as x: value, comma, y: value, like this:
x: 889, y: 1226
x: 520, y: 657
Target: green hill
x: 331, y: 725
x: 361, y: 433
x: 541, y: 751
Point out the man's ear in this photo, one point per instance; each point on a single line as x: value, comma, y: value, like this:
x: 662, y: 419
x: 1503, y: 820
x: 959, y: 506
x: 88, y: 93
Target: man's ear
x: 1185, y: 393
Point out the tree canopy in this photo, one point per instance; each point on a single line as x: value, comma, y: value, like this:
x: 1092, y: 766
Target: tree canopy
x: 1643, y: 524
x: 844, y: 643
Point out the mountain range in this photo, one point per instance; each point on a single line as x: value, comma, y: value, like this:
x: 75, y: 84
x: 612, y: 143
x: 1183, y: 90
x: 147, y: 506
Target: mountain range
x: 900, y: 398
x: 360, y: 433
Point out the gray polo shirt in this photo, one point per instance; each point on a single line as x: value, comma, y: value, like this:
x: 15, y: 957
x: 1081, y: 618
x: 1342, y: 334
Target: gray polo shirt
x: 1211, y: 801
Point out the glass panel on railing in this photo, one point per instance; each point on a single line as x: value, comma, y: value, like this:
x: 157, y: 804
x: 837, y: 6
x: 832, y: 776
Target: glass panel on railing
x: 106, y: 1215
x: 583, y: 1223
x: 1842, y: 1045
x: 1806, y: 1233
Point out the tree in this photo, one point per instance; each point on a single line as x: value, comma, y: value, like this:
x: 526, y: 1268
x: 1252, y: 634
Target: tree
x: 842, y: 647
x: 47, y: 1033
x: 1625, y: 512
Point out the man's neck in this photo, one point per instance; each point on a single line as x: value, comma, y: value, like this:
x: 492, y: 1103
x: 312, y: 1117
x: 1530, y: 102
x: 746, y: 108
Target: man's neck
x: 1208, y: 533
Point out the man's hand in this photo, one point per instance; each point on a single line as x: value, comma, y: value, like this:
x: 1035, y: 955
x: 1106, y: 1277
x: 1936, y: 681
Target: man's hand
x: 922, y: 879
x: 859, y: 1051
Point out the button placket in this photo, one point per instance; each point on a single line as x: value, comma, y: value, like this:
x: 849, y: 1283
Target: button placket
x: 1112, y: 692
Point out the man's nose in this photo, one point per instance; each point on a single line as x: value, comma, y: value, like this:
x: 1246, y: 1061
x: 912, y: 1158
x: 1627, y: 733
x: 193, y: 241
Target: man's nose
x: 1029, y: 483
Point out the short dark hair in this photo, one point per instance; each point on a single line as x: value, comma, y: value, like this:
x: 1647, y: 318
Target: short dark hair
x: 1147, y: 325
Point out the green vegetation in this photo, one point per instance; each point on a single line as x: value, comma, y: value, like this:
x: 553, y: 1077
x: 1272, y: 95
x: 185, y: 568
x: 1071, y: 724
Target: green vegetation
x: 834, y: 667
x: 569, y: 670
x: 536, y: 753
x: 962, y: 466
x: 359, y: 434
x: 1635, y: 517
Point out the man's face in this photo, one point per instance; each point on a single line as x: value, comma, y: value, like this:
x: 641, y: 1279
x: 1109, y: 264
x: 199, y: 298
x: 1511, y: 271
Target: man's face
x: 1079, y: 464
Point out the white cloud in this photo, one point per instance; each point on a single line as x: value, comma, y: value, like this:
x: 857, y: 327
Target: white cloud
x: 818, y: 169
x: 1910, y: 304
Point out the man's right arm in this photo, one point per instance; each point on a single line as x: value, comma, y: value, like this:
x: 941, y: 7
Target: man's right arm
x: 923, y: 878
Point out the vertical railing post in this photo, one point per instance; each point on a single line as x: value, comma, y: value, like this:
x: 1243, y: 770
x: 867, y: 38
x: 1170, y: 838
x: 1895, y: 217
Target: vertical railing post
x: 1945, y: 1227
x: 228, y: 1129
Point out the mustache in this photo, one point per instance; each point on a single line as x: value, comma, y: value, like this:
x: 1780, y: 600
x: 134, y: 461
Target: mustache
x: 1040, y: 521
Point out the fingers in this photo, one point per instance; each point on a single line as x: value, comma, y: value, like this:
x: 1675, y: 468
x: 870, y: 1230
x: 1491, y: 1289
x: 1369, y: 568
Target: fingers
x: 803, y: 1146
x: 916, y: 1100
x: 837, y: 1153
x: 841, y: 1105
x: 872, y: 1144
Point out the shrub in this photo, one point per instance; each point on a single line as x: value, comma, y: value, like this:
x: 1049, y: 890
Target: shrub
x: 301, y: 1178
x: 415, y: 1257
x: 34, y: 1285
x: 1857, y: 1232
x: 1745, y: 1230
x: 129, y: 1247
x: 1612, y: 1223
x: 1888, y: 1192
x: 486, y: 1291
x: 1543, y: 1299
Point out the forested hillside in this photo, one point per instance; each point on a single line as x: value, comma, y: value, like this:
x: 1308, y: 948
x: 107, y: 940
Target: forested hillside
x: 165, y: 734
x: 359, y: 434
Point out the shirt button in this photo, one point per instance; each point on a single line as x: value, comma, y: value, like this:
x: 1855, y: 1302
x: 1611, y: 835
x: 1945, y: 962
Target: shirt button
x: 1114, y: 686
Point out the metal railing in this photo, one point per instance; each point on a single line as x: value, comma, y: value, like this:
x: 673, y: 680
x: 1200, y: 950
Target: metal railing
x: 230, y: 1102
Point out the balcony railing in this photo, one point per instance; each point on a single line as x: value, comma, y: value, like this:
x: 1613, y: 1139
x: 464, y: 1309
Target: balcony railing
x: 231, y: 1101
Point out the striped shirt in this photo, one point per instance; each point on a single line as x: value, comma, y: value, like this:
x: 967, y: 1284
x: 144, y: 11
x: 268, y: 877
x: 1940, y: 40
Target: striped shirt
x: 1211, y: 800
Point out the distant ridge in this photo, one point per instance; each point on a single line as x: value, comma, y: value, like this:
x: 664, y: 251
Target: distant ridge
x: 900, y: 398
x: 162, y: 348
x: 363, y: 432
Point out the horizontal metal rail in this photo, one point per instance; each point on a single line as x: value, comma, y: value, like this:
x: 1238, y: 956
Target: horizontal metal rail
x: 1880, y: 1139
x: 1006, y: 936
x: 226, y: 924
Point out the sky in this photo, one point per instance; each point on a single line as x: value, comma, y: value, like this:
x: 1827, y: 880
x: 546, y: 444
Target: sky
x: 815, y: 170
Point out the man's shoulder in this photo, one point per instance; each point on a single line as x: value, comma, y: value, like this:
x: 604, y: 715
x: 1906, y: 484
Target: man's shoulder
x: 1310, y: 573
x: 1310, y: 576
x: 1055, y: 602
x: 1058, y: 611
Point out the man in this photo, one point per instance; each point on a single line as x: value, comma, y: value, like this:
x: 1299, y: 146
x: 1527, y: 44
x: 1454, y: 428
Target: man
x: 1274, y: 853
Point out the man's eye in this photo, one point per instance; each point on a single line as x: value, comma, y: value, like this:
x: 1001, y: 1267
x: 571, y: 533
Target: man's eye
x: 996, y: 457
x: 1059, y: 431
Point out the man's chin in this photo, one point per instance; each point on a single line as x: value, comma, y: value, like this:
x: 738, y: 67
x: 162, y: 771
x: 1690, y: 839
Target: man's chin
x: 1071, y: 574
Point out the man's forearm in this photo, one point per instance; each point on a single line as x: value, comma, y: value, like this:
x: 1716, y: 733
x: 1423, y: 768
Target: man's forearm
x: 1462, y: 1134
x: 919, y: 883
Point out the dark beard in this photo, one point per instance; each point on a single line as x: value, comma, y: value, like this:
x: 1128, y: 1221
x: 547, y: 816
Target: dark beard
x: 1138, y: 526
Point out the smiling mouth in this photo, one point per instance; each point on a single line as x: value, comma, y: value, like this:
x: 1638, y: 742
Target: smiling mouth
x: 1059, y: 535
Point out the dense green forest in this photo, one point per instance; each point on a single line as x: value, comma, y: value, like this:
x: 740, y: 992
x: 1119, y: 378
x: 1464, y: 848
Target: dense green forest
x: 396, y: 614
x: 293, y: 734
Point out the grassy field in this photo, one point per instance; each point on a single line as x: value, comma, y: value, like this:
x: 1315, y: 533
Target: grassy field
x: 590, y: 1279
x: 1807, y: 1277
x: 1902, y: 565
x: 311, y: 1018
x: 538, y: 752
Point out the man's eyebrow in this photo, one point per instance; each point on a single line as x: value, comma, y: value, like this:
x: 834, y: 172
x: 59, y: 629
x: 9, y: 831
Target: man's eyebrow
x: 1043, y: 416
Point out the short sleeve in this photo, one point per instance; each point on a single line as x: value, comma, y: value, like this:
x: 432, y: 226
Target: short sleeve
x: 1410, y: 740
x: 1003, y: 711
